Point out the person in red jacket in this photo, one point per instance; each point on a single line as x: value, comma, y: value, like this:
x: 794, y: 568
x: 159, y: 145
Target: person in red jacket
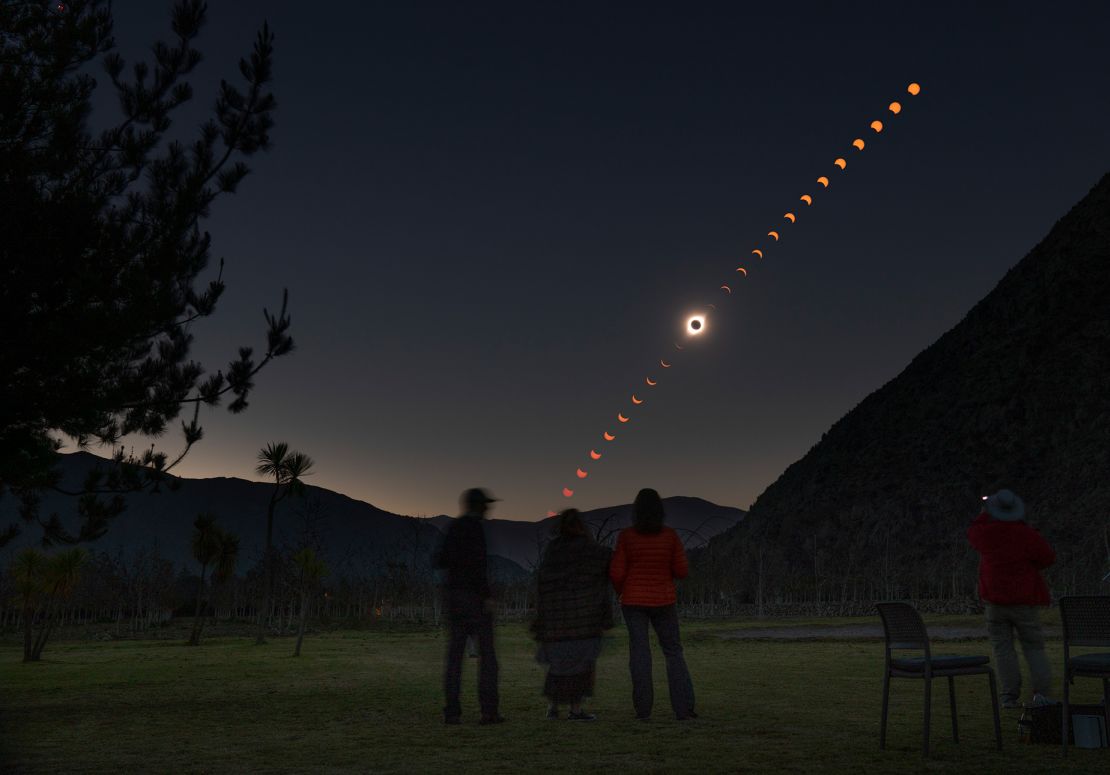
x: 1012, y: 556
x: 647, y: 560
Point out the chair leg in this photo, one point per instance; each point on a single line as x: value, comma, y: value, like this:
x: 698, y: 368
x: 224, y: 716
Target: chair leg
x: 1066, y: 713
x: 928, y: 714
x: 952, y: 707
x: 886, y: 705
x: 994, y: 707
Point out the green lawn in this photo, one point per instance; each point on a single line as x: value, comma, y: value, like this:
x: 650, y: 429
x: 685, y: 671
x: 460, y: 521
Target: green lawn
x: 370, y: 701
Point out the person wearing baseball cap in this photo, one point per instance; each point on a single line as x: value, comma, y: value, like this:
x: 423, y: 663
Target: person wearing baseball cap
x: 1012, y: 556
x: 468, y: 603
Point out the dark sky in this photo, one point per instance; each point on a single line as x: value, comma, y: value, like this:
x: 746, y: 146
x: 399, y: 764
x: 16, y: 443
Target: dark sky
x: 494, y: 219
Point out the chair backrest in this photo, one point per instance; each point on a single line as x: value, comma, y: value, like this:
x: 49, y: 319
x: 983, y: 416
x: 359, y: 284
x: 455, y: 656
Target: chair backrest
x: 1086, y: 620
x: 903, y: 626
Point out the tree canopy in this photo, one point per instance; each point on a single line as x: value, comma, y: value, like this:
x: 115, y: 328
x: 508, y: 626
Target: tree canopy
x: 103, y: 250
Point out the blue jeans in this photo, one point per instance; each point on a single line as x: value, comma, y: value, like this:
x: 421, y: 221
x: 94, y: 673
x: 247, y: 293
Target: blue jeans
x: 664, y: 619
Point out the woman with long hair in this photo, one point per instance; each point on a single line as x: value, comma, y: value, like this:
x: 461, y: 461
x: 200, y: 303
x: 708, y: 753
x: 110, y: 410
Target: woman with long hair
x: 573, y: 607
x: 648, y: 559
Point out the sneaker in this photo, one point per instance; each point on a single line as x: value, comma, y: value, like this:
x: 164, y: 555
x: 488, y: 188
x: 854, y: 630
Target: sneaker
x: 552, y: 712
x: 1039, y: 700
x: 581, y: 716
x: 486, y: 720
x: 1009, y: 703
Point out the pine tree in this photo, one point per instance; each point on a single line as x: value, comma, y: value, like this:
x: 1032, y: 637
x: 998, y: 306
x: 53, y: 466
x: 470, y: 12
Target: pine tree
x: 103, y: 251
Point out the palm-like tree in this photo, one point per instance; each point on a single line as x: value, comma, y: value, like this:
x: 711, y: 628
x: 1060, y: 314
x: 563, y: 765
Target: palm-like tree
x: 312, y: 570
x: 42, y: 583
x: 211, y: 545
x: 287, y: 468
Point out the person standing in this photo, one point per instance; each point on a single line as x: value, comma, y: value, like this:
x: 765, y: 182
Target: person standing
x: 468, y: 603
x: 648, y: 559
x: 573, y: 607
x: 1012, y: 556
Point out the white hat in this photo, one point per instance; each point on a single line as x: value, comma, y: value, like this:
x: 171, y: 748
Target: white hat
x: 1005, y: 506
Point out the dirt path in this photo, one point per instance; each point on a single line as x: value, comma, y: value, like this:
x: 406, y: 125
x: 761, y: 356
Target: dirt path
x: 859, y: 632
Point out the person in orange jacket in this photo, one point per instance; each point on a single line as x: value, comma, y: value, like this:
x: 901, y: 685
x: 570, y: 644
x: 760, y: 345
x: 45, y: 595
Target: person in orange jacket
x: 1012, y: 556
x: 648, y: 558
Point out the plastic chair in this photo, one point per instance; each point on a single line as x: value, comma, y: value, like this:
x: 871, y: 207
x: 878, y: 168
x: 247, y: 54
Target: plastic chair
x: 1086, y: 620
x: 904, y: 629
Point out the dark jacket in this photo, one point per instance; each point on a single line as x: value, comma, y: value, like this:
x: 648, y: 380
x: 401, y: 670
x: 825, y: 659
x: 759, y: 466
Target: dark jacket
x: 572, y: 599
x: 1012, y: 556
x: 463, y: 556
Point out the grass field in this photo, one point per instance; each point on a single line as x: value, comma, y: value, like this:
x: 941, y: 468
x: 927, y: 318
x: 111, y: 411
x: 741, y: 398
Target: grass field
x: 363, y: 701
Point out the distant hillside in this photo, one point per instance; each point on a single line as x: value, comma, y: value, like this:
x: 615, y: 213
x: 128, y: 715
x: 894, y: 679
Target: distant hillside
x: 356, y: 537
x: 1016, y: 395
x: 696, y: 520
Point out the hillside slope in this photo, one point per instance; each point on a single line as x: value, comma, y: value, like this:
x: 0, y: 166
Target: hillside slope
x: 1016, y: 395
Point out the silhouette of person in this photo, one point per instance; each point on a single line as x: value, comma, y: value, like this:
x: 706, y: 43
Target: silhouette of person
x: 1012, y: 556
x: 469, y: 607
x: 572, y: 609
x: 648, y: 559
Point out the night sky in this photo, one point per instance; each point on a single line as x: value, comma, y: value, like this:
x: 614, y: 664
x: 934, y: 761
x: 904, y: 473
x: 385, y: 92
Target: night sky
x: 494, y: 219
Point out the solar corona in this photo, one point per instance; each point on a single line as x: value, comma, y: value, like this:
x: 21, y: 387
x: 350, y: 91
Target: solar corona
x: 696, y: 325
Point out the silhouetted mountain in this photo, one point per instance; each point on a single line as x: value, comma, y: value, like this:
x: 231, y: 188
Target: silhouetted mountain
x: 696, y: 520
x: 354, y: 536
x: 1016, y: 395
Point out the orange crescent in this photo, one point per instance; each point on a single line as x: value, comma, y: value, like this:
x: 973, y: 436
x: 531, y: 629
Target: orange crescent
x: 807, y: 199
x: 790, y: 217
x: 595, y: 455
x: 758, y: 253
x: 664, y: 364
x: 858, y: 143
x: 774, y: 235
x: 677, y: 346
x: 914, y: 89
x: 823, y: 181
x: 841, y: 163
x: 877, y: 126
x: 726, y: 289
x: 581, y: 474
x: 650, y: 382
x: 608, y: 436
x: 742, y: 269
x: 636, y: 400
x: 621, y: 417
x: 567, y: 492
x: 895, y: 108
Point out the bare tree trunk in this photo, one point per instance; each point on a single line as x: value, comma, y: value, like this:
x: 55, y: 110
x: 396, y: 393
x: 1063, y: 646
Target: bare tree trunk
x: 268, y: 562
x: 304, y: 618
x: 198, y: 612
